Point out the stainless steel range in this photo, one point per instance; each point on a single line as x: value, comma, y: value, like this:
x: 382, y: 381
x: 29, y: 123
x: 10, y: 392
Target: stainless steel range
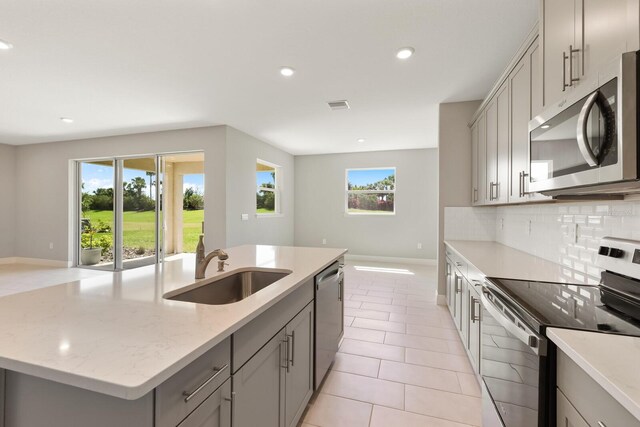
x: 518, y: 361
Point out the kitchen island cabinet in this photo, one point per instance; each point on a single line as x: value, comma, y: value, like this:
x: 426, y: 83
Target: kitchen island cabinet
x: 266, y: 344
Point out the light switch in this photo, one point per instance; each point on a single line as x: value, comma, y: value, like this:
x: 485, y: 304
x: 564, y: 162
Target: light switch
x: 245, y: 217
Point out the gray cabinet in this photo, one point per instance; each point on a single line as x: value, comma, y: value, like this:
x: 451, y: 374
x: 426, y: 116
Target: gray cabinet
x: 558, y: 36
x: 273, y: 388
x: 497, y: 147
x: 586, y: 400
x: 473, y: 342
x: 299, y: 377
x: 181, y: 394
x: 258, y: 387
x: 566, y: 414
x: 474, y: 165
x: 450, y: 286
x: 215, y: 411
x: 575, y: 43
x: 520, y: 114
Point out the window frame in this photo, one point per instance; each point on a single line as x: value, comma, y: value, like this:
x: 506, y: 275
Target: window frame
x: 347, y: 192
x: 276, y: 190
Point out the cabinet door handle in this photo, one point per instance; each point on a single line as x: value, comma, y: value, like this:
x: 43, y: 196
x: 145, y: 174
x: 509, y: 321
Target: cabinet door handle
x: 216, y: 371
x: 601, y: 424
x: 458, y: 288
x: 564, y: 71
x: 475, y: 316
x: 491, y: 191
x: 475, y: 195
x: 458, y: 264
x: 286, y: 354
x: 571, y: 78
x: 230, y: 399
x: 293, y: 348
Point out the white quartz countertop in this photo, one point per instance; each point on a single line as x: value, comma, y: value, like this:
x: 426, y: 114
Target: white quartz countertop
x: 116, y: 334
x: 496, y: 260
x: 611, y: 360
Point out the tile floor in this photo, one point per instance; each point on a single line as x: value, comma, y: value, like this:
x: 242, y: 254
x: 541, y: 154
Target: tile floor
x: 401, y: 362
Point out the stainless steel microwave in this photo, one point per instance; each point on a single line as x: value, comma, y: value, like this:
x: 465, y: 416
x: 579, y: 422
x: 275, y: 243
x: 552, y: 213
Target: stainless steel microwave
x: 588, y: 142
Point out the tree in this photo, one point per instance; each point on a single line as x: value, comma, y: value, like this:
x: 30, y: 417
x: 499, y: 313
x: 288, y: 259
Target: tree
x: 136, y: 186
x: 150, y: 175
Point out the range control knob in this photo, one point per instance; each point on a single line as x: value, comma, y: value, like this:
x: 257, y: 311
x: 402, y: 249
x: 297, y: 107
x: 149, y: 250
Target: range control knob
x: 616, y: 253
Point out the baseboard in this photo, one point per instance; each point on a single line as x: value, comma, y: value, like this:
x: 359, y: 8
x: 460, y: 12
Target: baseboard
x: 396, y: 260
x: 35, y: 261
x: 442, y: 299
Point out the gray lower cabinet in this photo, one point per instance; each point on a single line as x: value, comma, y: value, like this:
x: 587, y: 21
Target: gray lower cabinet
x: 566, y: 414
x: 274, y: 386
x: 591, y: 403
x: 299, y: 378
x: 258, y: 387
x: 215, y: 411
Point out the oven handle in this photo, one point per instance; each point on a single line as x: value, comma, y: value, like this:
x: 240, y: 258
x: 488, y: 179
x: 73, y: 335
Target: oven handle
x: 535, y: 342
x: 583, y: 140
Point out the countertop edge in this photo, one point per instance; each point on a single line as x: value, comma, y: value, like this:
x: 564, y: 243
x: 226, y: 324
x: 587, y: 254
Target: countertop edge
x: 137, y: 391
x: 619, y: 395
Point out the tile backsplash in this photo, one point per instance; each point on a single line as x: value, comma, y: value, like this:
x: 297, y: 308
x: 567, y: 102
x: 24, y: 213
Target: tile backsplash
x: 564, y: 233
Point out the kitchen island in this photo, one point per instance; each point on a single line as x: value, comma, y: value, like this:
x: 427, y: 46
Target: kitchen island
x: 118, y: 337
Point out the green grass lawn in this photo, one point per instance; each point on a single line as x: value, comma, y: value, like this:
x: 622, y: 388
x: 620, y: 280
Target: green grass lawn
x: 139, y: 227
x: 263, y: 211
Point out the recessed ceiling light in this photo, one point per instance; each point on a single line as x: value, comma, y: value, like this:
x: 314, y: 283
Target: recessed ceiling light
x: 360, y: 140
x: 66, y: 119
x: 405, y: 53
x: 5, y: 45
x: 287, y: 71
x: 545, y: 126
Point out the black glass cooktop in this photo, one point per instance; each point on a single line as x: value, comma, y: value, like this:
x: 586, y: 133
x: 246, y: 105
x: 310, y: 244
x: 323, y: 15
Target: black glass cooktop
x: 591, y: 308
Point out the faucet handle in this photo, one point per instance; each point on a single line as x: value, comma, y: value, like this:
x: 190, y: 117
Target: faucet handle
x: 221, y: 265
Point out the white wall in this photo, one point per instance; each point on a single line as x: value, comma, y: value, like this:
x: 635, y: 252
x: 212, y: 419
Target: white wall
x: 454, y: 181
x: 242, y: 152
x: 44, y: 177
x: 320, y: 199
x: 7, y: 200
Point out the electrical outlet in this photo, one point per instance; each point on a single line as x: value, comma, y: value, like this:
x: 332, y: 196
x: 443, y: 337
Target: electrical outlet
x: 245, y: 217
x: 50, y: 245
x: 501, y: 223
x: 419, y: 245
x: 324, y: 241
x: 529, y: 227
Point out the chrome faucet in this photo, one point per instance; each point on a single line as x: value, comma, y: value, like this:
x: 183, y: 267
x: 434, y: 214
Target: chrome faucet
x: 203, y: 261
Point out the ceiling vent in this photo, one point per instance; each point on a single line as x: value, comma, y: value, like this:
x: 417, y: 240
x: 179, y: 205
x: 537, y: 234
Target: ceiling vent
x: 339, y: 105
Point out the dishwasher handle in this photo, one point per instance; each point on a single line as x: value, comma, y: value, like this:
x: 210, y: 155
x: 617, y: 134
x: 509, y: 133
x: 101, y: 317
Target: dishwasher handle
x: 330, y: 276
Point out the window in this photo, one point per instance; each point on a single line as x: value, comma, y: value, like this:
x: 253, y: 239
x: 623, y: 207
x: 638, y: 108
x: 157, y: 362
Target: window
x: 268, y: 194
x: 371, y: 191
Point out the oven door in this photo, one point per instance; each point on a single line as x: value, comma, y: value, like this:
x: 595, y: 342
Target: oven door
x: 589, y: 138
x: 512, y: 365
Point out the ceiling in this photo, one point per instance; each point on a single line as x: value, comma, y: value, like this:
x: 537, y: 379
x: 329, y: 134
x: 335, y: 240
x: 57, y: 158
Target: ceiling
x: 119, y: 67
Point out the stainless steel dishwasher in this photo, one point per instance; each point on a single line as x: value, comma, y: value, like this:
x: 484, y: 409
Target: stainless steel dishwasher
x: 329, y: 318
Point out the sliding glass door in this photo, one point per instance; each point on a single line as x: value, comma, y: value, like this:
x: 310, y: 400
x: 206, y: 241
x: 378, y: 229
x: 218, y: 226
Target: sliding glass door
x: 134, y: 210
x: 97, y: 222
x: 120, y: 212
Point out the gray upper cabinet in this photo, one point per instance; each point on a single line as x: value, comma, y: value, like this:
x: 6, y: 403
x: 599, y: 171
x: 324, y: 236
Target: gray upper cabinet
x: 520, y: 99
x: 497, y: 140
x: 558, y: 36
x: 580, y: 36
x: 609, y: 28
x: 299, y: 378
x: 258, y: 387
x: 474, y: 165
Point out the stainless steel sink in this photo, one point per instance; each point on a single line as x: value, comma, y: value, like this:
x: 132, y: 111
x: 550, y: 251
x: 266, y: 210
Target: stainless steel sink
x: 229, y: 289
